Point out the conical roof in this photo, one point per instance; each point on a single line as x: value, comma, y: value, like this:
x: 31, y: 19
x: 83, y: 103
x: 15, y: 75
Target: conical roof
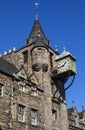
x: 40, y: 43
x: 37, y: 30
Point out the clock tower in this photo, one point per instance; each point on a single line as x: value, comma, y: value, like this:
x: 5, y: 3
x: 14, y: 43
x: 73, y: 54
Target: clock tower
x: 51, y: 70
x: 33, y: 82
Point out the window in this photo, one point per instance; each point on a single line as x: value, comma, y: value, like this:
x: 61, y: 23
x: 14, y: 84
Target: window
x: 34, y: 92
x: 1, y: 89
x: 36, y: 56
x: 34, y: 116
x: 51, y: 62
x: 21, y: 113
x: 54, y: 114
x: 22, y: 86
x: 25, y: 54
x: 41, y: 49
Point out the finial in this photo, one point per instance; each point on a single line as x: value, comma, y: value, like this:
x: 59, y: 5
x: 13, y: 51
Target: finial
x: 36, y: 6
x: 14, y: 48
x: 56, y: 48
x: 82, y: 108
x: 64, y: 49
x: 9, y: 50
x: 73, y: 103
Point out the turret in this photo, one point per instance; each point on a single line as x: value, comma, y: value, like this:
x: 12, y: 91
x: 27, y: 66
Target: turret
x: 39, y: 55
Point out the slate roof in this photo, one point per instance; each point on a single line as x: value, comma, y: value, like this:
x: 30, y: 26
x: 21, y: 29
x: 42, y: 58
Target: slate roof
x: 37, y: 30
x: 64, y: 54
x: 7, y: 68
x: 40, y: 43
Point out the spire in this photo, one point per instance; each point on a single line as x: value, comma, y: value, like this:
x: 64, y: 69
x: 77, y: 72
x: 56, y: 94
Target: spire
x: 36, y: 6
x: 37, y: 30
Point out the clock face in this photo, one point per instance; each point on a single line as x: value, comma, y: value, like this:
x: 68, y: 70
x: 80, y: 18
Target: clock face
x: 63, y: 65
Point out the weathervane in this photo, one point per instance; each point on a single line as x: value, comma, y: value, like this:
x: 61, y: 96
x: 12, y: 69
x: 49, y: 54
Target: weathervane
x: 36, y: 5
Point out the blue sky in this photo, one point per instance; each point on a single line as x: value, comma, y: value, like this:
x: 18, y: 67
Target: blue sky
x: 63, y: 22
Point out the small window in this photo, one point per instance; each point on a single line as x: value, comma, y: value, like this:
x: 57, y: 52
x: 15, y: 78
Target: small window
x: 34, y: 117
x: 1, y: 89
x: 22, y: 87
x: 54, y: 114
x: 34, y: 92
x: 36, y: 56
x: 25, y: 54
x: 21, y: 113
x: 39, y: 48
x: 51, y: 57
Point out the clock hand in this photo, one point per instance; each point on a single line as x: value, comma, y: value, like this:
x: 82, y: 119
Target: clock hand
x: 62, y: 65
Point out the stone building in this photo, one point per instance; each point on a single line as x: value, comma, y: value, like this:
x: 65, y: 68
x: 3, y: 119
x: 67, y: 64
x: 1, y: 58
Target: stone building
x: 76, y: 119
x: 30, y: 97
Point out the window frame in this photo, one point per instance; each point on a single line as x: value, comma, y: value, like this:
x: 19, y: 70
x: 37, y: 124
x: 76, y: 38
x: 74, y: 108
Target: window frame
x: 34, y: 117
x: 22, y: 87
x: 34, y: 92
x: 21, y: 113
